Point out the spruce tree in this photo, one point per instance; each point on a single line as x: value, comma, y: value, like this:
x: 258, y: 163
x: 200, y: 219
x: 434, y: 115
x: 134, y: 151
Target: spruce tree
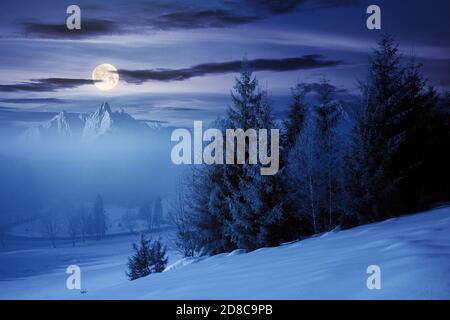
x: 253, y: 199
x: 419, y: 132
x: 367, y: 174
x: 139, y: 264
x: 296, y: 117
x: 158, y: 258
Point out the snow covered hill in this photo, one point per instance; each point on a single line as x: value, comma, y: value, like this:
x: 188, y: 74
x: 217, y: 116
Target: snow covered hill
x: 413, y: 253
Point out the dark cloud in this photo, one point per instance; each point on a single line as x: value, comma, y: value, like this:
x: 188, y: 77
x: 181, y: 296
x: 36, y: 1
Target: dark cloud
x: 235, y: 13
x: 167, y: 75
x: 196, y: 19
x: 183, y: 109
x: 174, y: 16
x: 185, y: 19
x: 89, y: 28
x: 288, y: 64
x: 275, y: 7
x: 317, y: 86
x: 45, y: 85
x: 324, y: 4
x: 33, y: 100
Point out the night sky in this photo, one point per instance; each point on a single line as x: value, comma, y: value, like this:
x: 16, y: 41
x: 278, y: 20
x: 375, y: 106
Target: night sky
x: 177, y: 59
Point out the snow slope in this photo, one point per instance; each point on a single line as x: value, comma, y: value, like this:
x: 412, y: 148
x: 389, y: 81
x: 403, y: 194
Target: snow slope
x: 34, y: 270
x: 413, y: 253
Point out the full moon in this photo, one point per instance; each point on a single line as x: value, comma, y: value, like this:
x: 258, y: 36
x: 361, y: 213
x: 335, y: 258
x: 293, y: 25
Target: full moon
x: 105, y: 76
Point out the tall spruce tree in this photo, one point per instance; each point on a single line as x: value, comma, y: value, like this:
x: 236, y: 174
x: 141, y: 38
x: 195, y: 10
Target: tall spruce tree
x: 421, y: 129
x: 390, y: 139
x: 253, y: 199
x: 372, y: 149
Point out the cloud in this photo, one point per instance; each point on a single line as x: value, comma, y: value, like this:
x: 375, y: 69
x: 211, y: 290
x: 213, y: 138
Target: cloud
x: 276, y: 7
x: 234, y: 13
x: 195, y: 19
x: 166, y: 75
x: 89, y: 28
x: 182, y: 109
x: 315, y: 87
x: 33, y: 100
x: 277, y: 65
x: 185, y: 19
x: 45, y: 85
x: 147, y: 17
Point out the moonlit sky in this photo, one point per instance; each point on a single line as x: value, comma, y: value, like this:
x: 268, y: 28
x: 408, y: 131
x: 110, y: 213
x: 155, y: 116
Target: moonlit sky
x: 44, y: 68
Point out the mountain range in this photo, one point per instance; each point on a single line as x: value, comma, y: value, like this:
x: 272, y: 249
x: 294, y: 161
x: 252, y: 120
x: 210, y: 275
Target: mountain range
x: 101, y: 123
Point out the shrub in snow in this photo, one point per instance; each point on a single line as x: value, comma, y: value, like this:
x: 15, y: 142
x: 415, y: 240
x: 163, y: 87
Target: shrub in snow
x: 158, y: 257
x: 149, y: 257
x: 139, y: 263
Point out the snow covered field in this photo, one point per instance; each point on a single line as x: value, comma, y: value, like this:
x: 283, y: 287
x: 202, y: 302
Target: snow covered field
x: 413, y: 253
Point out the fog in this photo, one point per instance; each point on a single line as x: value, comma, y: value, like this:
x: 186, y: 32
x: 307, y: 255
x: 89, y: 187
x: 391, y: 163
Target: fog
x: 126, y: 170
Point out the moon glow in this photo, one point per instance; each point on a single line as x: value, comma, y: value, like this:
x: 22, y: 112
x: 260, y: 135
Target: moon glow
x: 105, y: 76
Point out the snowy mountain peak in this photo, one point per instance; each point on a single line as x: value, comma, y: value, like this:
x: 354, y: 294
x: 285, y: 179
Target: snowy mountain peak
x: 59, y: 124
x: 98, y: 123
x: 104, y: 108
x: 104, y: 122
x: 89, y: 127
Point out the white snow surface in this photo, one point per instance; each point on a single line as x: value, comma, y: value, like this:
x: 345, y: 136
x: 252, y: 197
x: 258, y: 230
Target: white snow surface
x: 413, y: 253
